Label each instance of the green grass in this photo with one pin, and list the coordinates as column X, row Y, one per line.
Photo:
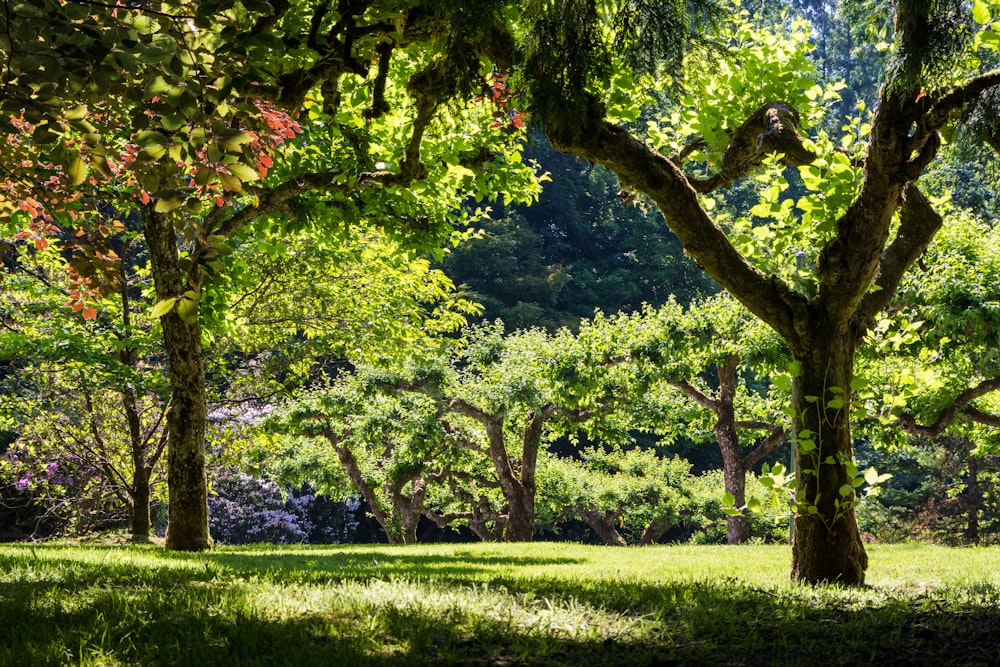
column 482, row 604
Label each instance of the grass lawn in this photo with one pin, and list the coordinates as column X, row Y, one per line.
column 490, row 604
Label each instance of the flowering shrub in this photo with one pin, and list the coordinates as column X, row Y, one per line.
column 245, row 510
column 69, row 494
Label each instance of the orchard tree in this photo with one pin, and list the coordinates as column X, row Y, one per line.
column 934, row 370
column 722, row 361
column 179, row 115
column 393, row 448
column 863, row 222
column 632, row 491
column 519, row 392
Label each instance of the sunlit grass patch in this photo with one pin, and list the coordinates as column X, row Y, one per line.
column 543, row 603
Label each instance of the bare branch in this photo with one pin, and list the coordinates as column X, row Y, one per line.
column 766, row 446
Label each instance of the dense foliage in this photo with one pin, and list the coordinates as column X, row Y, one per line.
column 240, row 243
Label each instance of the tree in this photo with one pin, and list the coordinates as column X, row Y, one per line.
column 934, row 372
column 177, row 115
column 518, row 392
column 395, row 449
column 937, row 68
column 87, row 398
column 635, row 491
column 723, row 361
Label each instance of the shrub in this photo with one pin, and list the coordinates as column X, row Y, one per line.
column 245, row 510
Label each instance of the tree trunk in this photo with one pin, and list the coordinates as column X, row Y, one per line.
column 827, row 545
column 734, row 474
column 973, row 498
column 350, row 463
column 139, row 491
column 518, row 485
column 187, row 484
column 407, row 511
column 603, row 523
column 655, row 530
column 139, row 514
column 735, row 480
column 520, row 515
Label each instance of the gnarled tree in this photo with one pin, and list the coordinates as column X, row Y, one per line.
column 932, row 76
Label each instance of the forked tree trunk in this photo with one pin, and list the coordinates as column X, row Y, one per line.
column 827, row 545
column 187, row 484
column 516, row 478
column 408, row 510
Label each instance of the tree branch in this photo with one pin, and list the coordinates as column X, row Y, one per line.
column 697, row 395
column 766, row 446
column 919, row 222
column 772, row 129
column 960, row 407
column 646, row 170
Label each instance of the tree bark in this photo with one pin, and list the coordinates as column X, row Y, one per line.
column 734, row 474
column 826, row 546
column 187, row 483
column 655, row 530
column 973, row 497
column 603, row 523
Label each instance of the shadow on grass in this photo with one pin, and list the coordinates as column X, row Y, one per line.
column 209, row 612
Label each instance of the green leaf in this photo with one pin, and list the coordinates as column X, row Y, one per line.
column 188, row 310
column 76, row 113
column 169, row 200
column 233, row 139
column 243, row 172
column 728, row 500
column 980, row 12
column 163, row 307
column 75, row 168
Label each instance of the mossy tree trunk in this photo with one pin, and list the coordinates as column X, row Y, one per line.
column 187, row 484
column 827, row 545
